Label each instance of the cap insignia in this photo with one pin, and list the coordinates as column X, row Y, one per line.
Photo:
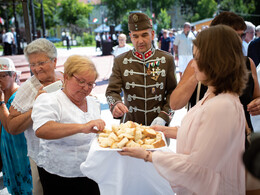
column 135, row 18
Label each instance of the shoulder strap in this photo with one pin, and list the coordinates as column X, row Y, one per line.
column 198, row 92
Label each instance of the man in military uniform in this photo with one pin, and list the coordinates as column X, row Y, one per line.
column 146, row 75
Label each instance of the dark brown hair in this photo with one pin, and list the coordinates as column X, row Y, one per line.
column 219, row 55
column 229, row 19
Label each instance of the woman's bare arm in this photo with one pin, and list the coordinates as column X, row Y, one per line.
column 183, row 92
column 55, row 130
column 18, row 122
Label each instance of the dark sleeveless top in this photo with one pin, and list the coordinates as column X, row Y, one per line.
column 245, row 98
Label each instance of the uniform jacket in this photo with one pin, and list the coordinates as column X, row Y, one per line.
column 147, row 81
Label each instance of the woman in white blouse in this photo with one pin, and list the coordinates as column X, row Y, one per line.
column 42, row 57
column 66, row 121
column 122, row 47
column 211, row 138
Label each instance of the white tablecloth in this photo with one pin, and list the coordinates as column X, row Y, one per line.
column 123, row 175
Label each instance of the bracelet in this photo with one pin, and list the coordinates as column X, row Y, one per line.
column 147, row 156
column 2, row 102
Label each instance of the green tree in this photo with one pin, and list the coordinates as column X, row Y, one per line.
column 50, row 13
column 156, row 5
column 72, row 10
column 189, row 6
column 239, row 6
column 118, row 9
column 124, row 24
column 204, row 9
column 163, row 21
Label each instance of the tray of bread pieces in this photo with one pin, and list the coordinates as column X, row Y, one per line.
column 129, row 134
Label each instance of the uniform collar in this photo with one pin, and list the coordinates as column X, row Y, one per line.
column 144, row 56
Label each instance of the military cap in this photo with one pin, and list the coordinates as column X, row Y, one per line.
column 139, row 21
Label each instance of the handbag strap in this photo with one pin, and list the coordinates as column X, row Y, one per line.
column 198, row 92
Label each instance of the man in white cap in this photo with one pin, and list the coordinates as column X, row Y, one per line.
column 183, row 47
column 145, row 74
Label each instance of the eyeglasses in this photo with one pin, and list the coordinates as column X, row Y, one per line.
column 83, row 83
column 40, row 64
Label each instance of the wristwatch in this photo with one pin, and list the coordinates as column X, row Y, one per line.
column 2, row 102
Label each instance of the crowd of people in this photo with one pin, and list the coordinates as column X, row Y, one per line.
column 45, row 137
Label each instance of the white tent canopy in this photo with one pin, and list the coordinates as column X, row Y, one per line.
column 102, row 28
column 118, row 28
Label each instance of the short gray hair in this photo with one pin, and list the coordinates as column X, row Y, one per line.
column 257, row 29
column 249, row 26
column 41, row 46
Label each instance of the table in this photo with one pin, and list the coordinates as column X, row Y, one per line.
column 123, row 175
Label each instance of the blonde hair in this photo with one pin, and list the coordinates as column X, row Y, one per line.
column 122, row 36
column 76, row 64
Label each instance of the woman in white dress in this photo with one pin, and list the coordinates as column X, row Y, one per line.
column 66, row 121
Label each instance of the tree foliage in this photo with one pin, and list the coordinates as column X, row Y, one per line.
column 188, row 5
column 156, row 5
column 163, row 21
column 204, row 9
column 50, row 13
column 199, row 9
column 240, row 6
column 72, row 10
column 117, row 9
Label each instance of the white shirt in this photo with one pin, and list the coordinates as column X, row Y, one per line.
column 119, row 50
column 245, row 47
column 97, row 38
column 8, row 37
column 184, row 43
column 63, row 156
column 23, row 102
column 104, row 37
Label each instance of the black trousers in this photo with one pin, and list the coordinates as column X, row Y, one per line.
column 7, row 49
column 57, row 185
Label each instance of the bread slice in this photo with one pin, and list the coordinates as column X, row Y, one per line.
column 148, row 132
column 113, row 136
column 132, row 144
column 149, row 141
column 114, row 145
column 122, row 143
column 159, row 143
column 138, row 135
column 145, row 146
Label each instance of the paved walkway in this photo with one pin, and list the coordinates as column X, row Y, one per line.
column 104, row 66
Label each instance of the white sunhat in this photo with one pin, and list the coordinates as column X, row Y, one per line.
column 6, row 64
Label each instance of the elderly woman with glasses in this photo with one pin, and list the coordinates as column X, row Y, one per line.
column 42, row 57
column 66, row 121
